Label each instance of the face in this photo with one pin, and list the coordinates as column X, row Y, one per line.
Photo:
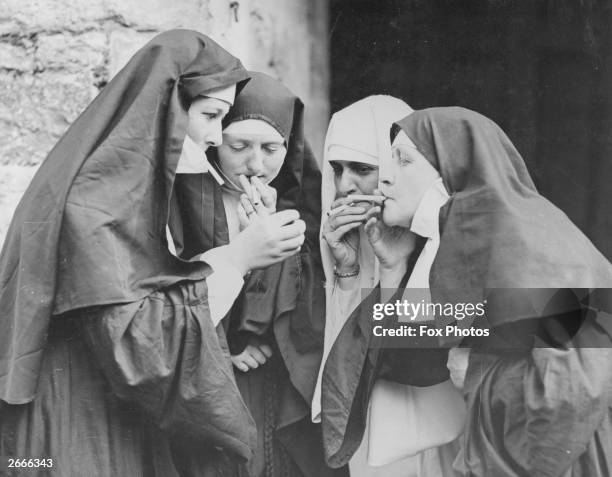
column 205, row 115
column 354, row 178
column 251, row 147
column 404, row 183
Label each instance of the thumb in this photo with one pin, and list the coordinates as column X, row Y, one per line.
column 372, row 230
column 243, row 219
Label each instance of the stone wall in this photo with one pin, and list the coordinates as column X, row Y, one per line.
column 55, row 55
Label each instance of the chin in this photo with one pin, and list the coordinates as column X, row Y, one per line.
column 389, row 218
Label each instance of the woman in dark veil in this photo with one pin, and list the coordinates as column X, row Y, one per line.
column 111, row 362
column 275, row 328
column 539, row 387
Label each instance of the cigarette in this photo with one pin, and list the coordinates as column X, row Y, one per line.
column 256, row 197
column 367, row 198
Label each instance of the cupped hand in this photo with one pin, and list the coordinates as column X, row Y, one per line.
column 340, row 232
column 267, row 240
column 392, row 245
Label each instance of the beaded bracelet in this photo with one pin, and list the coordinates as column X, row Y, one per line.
column 353, row 273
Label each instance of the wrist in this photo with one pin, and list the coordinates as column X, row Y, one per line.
column 346, row 272
column 234, row 255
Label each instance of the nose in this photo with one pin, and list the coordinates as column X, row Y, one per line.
column 255, row 162
column 214, row 136
column 346, row 185
column 386, row 174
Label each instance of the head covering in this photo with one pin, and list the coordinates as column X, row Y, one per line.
column 227, row 94
column 501, row 241
column 90, row 229
column 269, row 100
column 253, row 126
column 358, row 133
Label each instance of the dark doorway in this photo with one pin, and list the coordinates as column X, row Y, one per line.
column 541, row 69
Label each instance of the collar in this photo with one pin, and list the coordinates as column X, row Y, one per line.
column 193, row 160
column 425, row 221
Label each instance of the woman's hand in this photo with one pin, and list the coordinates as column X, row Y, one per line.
column 266, row 241
column 392, row 245
column 341, row 233
column 259, row 200
column 256, row 353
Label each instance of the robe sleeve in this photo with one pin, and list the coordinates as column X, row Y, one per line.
column 540, row 410
column 164, row 354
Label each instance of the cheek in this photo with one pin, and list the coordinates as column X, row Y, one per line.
column 195, row 128
column 273, row 165
column 230, row 161
column 368, row 183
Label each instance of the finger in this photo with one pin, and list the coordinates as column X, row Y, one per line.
column 340, row 201
column 342, row 230
column 266, row 193
column 247, row 205
column 292, row 244
column 346, row 219
column 372, row 230
column 266, row 350
column 256, row 195
column 373, row 212
column 346, row 210
column 285, row 217
column 243, row 219
column 355, row 210
column 246, row 186
column 292, row 230
column 237, row 362
column 257, row 355
column 250, row 361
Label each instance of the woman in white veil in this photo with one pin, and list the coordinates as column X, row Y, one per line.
column 357, row 137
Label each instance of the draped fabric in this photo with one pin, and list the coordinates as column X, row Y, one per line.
column 90, row 229
column 540, row 406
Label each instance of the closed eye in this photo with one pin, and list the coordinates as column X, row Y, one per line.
column 272, row 147
column 238, row 146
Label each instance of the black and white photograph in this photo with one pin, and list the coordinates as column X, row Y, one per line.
column 306, row 238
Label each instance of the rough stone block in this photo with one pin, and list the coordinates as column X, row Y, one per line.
column 54, row 15
column 14, row 180
column 35, row 110
column 70, row 52
column 15, row 58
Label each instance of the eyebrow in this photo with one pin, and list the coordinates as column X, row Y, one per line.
column 339, row 162
column 254, row 137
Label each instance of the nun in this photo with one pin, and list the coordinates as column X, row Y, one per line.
column 538, row 383
column 111, row 360
column 275, row 326
column 372, row 427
